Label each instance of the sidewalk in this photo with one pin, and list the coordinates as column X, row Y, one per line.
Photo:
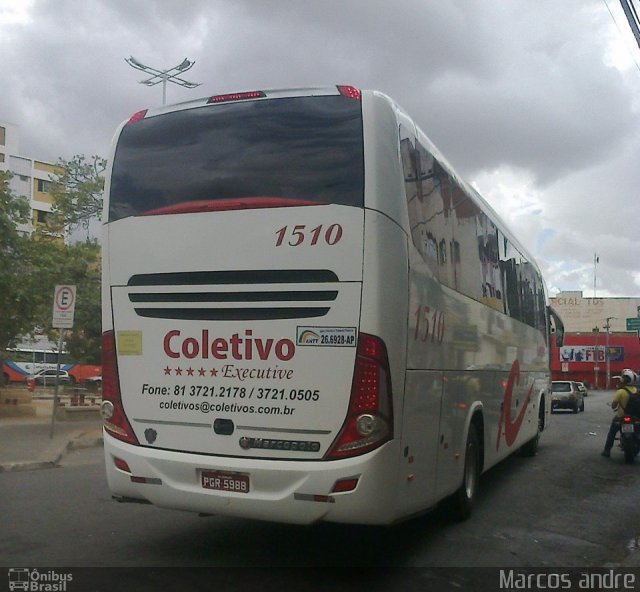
column 26, row 442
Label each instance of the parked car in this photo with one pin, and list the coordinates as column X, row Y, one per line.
column 565, row 394
column 48, row 377
column 583, row 388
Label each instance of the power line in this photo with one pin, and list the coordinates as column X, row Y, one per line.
column 632, row 17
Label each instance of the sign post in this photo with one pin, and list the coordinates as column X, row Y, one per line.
column 64, row 304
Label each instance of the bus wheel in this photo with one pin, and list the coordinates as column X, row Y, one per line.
column 464, row 499
column 530, row 448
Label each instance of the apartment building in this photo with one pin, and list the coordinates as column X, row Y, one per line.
column 31, row 177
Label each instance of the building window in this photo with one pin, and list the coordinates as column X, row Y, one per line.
column 43, row 217
column 44, row 186
column 1, row 157
column 3, row 136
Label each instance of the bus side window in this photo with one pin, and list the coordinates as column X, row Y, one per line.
column 524, row 289
column 509, row 268
column 430, row 232
column 487, row 236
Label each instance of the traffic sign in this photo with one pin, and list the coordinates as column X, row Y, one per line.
column 64, row 303
column 633, row 324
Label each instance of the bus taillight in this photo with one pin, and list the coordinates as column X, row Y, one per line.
column 113, row 415
column 351, row 92
column 369, row 420
column 241, row 96
column 137, row 116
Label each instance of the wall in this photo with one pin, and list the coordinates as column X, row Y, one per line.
column 581, row 314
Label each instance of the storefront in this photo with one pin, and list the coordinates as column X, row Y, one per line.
column 595, row 358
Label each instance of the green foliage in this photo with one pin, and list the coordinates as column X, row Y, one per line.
column 77, row 200
column 77, row 190
column 16, row 307
column 13, row 211
column 31, row 266
column 77, row 265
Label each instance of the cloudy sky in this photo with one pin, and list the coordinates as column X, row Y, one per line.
column 535, row 102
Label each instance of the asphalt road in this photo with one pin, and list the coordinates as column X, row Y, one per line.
column 566, row 507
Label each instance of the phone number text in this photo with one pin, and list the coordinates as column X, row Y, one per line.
column 233, row 392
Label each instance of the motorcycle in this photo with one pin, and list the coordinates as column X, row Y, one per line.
column 630, row 437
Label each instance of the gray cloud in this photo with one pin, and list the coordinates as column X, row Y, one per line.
column 519, row 85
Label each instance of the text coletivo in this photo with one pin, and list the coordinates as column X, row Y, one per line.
column 236, row 347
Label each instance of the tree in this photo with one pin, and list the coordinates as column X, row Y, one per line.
column 31, row 266
column 77, row 265
column 77, row 190
column 77, row 200
column 16, row 306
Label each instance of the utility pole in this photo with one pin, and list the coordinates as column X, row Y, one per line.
column 164, row 76
column 606, row 352
column 596, row 330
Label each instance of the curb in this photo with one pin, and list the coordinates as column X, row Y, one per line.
column 28, row 465
column 79, row 442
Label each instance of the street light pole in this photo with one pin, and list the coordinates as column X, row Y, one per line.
column 164, row 76
column 606, row 351
column 596, row 330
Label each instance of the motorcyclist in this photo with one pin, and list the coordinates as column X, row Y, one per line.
column 628, row 380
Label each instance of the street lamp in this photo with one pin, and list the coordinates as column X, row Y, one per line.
column 164, row 76
column 606, row 350
column 596, row 330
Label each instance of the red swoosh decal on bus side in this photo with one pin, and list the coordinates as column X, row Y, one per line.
column 511, row 429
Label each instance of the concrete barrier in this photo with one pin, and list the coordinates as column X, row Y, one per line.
column 15, row 396
column 16, row 402
column 77, row 413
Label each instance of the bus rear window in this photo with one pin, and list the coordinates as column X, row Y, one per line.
column 265, row 153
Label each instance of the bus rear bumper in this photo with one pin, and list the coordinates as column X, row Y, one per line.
column 296, row 492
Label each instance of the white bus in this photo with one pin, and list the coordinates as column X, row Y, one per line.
column 308, row 315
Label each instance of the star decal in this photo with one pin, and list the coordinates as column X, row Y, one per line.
column 190, row 371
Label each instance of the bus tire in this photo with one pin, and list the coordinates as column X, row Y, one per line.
column 464, row 499
column 530, row 448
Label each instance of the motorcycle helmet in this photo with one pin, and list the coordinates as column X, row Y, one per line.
column 628, row 377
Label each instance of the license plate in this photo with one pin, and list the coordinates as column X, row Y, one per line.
column 627, row 428
column 222, row 481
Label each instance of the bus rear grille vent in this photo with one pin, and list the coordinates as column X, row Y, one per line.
column 233, row 295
